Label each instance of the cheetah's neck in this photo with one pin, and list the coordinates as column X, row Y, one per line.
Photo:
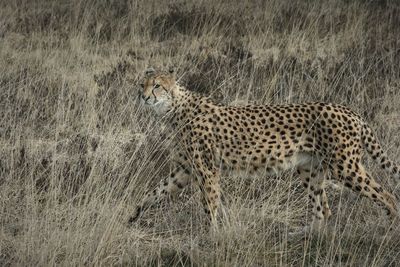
column 187, row 105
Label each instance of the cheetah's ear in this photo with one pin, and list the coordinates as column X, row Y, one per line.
column 171, row 71
column 149, row 72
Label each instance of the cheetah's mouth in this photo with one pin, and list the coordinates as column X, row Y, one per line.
column 155, row 103
column 149, row 102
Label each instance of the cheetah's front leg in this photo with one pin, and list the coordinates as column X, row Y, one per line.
column 208, row 181
column 210, row 189
column 177, row 180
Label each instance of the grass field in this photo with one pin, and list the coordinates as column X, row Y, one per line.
column 77, row 152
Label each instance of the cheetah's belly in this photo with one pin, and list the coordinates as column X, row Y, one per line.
column 270, row 166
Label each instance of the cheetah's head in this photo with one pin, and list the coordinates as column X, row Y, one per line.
column 158, row 90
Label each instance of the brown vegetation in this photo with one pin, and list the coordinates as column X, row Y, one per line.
column 77, row 152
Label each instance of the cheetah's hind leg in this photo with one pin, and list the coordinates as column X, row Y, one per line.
column 362, row 183
column 313, row 178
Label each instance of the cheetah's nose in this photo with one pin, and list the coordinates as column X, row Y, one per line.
column 145, row 98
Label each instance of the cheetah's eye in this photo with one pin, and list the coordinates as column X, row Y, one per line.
column 156, row 86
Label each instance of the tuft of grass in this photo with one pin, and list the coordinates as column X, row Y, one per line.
column 77, row 152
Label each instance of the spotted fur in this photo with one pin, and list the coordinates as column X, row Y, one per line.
column 316, row 139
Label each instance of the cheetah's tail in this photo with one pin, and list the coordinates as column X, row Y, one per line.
column 373, row 147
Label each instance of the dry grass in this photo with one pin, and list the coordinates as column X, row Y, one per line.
column 77, row 152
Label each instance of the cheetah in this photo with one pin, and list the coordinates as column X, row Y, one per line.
column 318, row 141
